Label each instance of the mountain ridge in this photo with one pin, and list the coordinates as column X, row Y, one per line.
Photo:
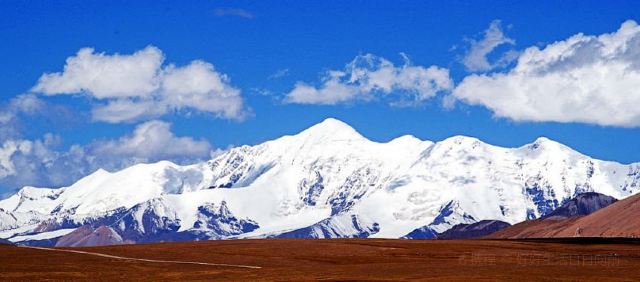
column 327, row 180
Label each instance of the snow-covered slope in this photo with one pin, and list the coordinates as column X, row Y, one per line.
column 327, row 181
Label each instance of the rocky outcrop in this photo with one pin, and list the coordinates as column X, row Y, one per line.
column 424, row 232
column 581, row 205
column 474, row 230
column 340, row 226
column 86, row 236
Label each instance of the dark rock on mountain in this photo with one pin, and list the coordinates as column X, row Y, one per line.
column 219, row 222
column 424, row 232
column 39, row 243
column 340, row 226
column 542, row 195
column 474, row 230
column 153, row 221
column 146, row 222
column 449, row 215
column 581, row 205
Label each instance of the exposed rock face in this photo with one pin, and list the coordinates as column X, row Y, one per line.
column 341, row 226
column 7, row 220
column 86, row 236
column 219, row 222
column 150, row 221
column 424, row 232
column 153, row 221
column 449, row 216
column 474, row 230
column 581, row 205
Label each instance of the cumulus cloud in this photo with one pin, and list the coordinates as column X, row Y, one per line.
column 105, row 76
column 369, row 77
column 21, row 104
column 14, row 112
column 200, row 87
column 584, row 78
column 476, row 57
column 6, row 151
column 11, row 111
column 33, row 162
column 41, row 163
column 151, row 141
column 138, row 86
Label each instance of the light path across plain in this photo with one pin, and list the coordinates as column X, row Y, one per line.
column 142, row 259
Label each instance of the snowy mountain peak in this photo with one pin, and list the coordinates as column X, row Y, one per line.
column 407, row 140
column 546, row 143
column 461, row 145
column 462, row 140
column 326, row 181
column 101, row 171
column 542, row 140
column 544, row 146
column 331, row 129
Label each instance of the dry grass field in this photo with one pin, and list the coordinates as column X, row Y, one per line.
column 340, row 259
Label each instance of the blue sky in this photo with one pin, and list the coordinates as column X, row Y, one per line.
column 265, row 50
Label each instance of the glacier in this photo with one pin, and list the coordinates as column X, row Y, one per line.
column 327, row 181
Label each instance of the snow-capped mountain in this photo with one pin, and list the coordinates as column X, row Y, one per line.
column 327, row 181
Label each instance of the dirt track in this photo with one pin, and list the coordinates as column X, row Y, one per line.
column 352, row 259
column 65, row 250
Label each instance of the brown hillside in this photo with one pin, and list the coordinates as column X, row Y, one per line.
column 620, row 219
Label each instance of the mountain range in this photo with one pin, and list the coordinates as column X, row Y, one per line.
column 327, row 181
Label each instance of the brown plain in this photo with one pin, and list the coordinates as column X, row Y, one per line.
column 339, row 259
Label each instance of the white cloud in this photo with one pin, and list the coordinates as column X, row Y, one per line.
column 200, row 87
column 26, row 162
column 476, row 57
column 25, row 103
column 585, row 79
column 333, row 91
column 127, row 110
column 6, row 151
column 236, row 12
column 106, row 76
column 279, row 73
column 15, row 110
column 369, row 77
column 152, row 140
column 40, row 163
column 137, row 86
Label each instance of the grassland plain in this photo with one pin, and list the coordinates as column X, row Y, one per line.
column 335, row 259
